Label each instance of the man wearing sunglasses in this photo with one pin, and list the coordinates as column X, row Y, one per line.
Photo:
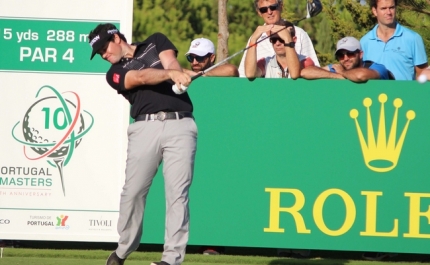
column 201, row 56
column 164, row 130
column 270, row 11
column 351, row 65
column 285, row 63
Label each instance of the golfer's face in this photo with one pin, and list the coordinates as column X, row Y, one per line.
column 111, row 52
column 269, row 10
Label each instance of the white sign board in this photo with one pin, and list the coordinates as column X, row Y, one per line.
column 62, row 128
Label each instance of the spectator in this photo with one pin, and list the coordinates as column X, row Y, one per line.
column 351, row 65
column 270, row 11
column 285, row 63
column 201, row 56
column 400, row 49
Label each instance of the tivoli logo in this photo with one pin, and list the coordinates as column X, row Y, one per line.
column 376, row 150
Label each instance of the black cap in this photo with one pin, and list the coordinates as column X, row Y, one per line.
column 99, row 41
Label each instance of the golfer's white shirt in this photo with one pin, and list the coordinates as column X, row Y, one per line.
column 303, row 47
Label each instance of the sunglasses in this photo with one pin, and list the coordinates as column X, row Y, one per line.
column 266, row 8
column 274, row 40
column 341, row 55
column 199, row 59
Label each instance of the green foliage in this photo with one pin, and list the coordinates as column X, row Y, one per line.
column 352, row 18
column 183, row 21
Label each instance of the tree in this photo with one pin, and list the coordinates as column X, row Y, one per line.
column 222, row 50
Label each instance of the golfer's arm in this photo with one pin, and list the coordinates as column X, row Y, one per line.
column 189, row 72
column 360, row 74
column 169, row 61
column 151, row 76
column 251, row 62
column 314, row 72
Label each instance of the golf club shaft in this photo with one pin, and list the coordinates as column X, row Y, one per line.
column 231, row 56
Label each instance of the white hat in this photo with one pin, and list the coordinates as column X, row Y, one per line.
column 348, row 43
column 201, row 47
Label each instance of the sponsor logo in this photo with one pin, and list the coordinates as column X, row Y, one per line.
column 61, row 222
column 4, row 221
column 100, row 224
column 40, row 220
column 116, row 78
column 96, row 38
column 112, row 31
column 52, row 128
column 196, row 44
column 381, row 154
column 105, row 223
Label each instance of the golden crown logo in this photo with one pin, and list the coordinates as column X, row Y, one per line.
column 376, row 150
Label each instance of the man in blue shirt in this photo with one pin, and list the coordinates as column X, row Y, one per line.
column 400, row 49
column 351, row 65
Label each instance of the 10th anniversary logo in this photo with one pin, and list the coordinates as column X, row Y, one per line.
column 53, row 127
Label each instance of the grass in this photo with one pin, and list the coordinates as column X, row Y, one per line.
column 21, row 256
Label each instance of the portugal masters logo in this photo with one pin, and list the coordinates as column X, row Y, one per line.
column 380, row 154
column 53, row 128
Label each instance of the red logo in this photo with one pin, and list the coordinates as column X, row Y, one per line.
column 116, row 78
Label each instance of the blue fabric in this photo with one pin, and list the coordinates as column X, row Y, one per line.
column 402, row 52
column 383, row 72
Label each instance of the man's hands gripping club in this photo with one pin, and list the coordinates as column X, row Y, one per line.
column 181, row 79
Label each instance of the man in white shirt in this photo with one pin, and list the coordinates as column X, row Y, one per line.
column 286, row 63
column 270, row 11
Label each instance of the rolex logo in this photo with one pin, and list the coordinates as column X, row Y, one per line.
column 380, row 154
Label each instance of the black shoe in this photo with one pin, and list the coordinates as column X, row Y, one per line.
column 113, row 259
column 160, row 263
column 376, row 256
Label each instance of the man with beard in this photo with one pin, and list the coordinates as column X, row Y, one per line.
column 351, row 65
column 201, row 56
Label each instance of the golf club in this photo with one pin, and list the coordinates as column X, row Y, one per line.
column 183, row 88
column 313, row 8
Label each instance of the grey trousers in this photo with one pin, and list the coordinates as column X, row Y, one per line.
column 150, row 142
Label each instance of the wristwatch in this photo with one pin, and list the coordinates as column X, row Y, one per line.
column 290, row 44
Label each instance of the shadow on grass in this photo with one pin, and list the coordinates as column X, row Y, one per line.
column 307, row 262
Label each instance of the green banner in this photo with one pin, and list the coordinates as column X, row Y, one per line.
column 307, row 164
column 38, row 45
